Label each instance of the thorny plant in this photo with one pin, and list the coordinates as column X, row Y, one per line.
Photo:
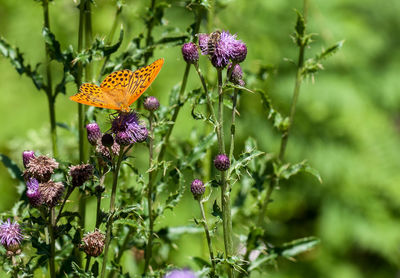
column 49, row 235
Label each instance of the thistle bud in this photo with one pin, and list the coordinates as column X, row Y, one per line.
column 239, row 52
column 190, row 53
column 221, row 162
column 197, row 188
column 151, row 103
column 107, row 140
column 93, row 133
column 236, row 75
column 80, row 174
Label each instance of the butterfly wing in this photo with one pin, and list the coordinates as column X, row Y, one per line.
column 141, row 80
column 93, row 95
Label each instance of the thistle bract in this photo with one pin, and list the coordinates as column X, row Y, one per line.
column 221, row 162
column 27, row 156
column 190, row 53
column 151, row 103
column 197, row 188
column 93, row 133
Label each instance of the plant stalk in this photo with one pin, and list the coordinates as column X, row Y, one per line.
column 149, row 246
column 207, row 232
column 49, row 85
column 52, row 243
column 233, row 123
column 112, row 210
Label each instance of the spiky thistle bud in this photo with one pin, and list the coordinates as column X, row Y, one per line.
column 197, row 188
column 151, row 103
column 190, row 53
column 93, row 133
column 221, row 162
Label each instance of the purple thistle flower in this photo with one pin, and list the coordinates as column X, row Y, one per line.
column 151, row 103
column 80, row 174
column 33, row 192
column 236, row 75
column 40, row 168
column 221, row 162
column 93, row 243
column 51, row 192
column 123, row 138
column 190, row 53
column 27, row 156
column 11, row 237
column 129, row 123
column 197, row 188
column 203, row 43
column 183, row 273
column 93, row 133
column 223, row 51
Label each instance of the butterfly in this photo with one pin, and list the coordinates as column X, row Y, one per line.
column 119, row 89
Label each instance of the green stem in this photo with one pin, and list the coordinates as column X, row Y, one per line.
column 112, row 210
column 285, row 136
column 121, row 250
column 70, row 189
column 49, row 85
column 225, row 190
column 206, row 230
column 149, row 246
column 88, row 263
column 52, row 243
column 233, row 126
column 149, row 38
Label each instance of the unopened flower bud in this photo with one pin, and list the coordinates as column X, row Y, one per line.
column 239, row 52
column 221, row 162
column 197, row 188
column 190, row 53
column 151, row 103
column 93, row 133
column 236, row 75
column 107, row 140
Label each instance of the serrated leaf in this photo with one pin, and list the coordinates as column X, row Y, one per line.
column 329, row 51
column 242, row 162
column 216, row 210
column 261, row 260
column 300, row 25
column 12, row 167
column 288, row 170
column 53, row 46
column 279, row 122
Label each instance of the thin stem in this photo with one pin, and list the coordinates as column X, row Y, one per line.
column 88, row 263
column 149, row 246
column 99, row 191
column 49, row 85
column 149, row 38
column 225, row 190
column 70, row 189
column 112, row 210
column 206, row 230
column 51, row 226
column 121, row 250
column 233, row 125
column 209, row 103
column 285, row 136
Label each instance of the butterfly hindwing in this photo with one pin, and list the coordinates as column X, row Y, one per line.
column 142, row 79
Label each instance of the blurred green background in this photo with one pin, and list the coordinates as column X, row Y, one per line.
column 347, row 123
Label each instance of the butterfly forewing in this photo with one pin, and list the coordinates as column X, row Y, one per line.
column 142, row 78
column 93, row 95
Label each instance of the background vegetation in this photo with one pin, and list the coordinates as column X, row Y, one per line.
column 347, row 123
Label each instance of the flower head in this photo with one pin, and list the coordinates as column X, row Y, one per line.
column 51, row 192
column 151, row 103
column 80, row 174
column 239, row 52
column 190, row 53
column 27, row 156
column 221, row 162
column 197, row 188
column 93, row 243
column 41, row 168
column 181, row 273
column 236, row 75
column 129, row 123
column 93, row 133
column 33, row 192
column 11, row 237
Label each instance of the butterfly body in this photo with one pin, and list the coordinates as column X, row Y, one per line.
column 119, row 89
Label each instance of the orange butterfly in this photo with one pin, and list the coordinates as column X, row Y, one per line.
column 120, row 89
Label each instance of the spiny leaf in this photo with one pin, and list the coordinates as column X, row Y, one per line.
column 279, row 122
column 329, row 51
column 244, row 159
column 17, row 61
column 288, row 170
column 298, row 246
